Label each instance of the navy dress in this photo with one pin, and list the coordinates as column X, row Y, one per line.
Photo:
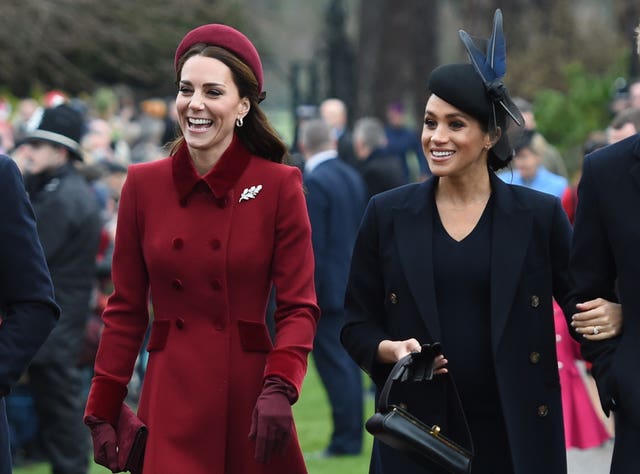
column 462, row 278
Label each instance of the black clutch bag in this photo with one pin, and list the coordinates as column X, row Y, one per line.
column 394, row 425
column 132, row 438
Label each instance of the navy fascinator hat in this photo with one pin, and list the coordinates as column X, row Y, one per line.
column 477, row 88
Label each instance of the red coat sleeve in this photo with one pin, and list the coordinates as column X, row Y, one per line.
column 297, row 312
column 126, row 315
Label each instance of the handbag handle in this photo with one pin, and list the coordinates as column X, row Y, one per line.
column 422, row 365
column 401, row 371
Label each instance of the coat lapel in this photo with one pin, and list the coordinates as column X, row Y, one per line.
column 510, row 237
column 413, row 225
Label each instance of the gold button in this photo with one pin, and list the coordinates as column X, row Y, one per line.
column 393, row 298
column 535, row 301
column 534, row 357
column 543, row 410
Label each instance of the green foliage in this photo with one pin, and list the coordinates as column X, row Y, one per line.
column 567, row 118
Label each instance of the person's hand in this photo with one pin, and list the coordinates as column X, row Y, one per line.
column 272, row 419
column 390, row 352
column 105, row 444
column 598, row 319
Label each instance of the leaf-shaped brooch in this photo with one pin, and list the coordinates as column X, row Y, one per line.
column 250, row 193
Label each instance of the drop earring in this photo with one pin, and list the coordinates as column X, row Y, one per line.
column 239, row 122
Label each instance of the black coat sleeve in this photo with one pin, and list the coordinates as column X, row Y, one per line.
column 593, row 275
column 27, row 305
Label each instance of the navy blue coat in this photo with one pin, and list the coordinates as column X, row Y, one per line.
column 27, row 304
column 605, row 263
column 336, row 199
column 391, row 295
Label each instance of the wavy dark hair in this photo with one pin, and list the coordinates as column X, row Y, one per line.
column 257, row 134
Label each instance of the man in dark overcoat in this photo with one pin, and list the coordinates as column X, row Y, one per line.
column 69, row 223
column 27, row 309
column 605, row 263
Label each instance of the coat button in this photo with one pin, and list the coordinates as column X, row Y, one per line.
column 183, row 202
column 535, row 301
column 179, row 323
column 216, row 284
column 543, row 410
column 534, row 357
column 222, row 202
column 177, row 243
column 177, row 284
column 215, row 244
column 393, row 298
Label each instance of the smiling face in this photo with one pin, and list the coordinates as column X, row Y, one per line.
column 208, row 104
column 453, row 142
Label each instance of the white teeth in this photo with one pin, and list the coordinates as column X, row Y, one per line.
column 196, row 121
column 441, row 154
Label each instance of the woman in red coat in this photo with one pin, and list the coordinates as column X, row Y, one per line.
column 206, row 233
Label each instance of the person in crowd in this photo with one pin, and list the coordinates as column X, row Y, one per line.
column 28, row 311
column 380, row 170
column 206, row 233
column 404, row 142
column 336, row 198
column 624, row 124
column 334, row 112
column 605, row 262
column 551, row 158
column 569, row 198
column 634, row 94
column 529, row 170
column 69, row 224
column 469, row 261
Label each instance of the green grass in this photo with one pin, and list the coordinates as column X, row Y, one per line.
column 313, row 421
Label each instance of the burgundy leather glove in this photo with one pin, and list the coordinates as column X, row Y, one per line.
column 272, row 419
column 105, row 443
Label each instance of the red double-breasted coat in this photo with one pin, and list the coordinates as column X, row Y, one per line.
column 207, row 251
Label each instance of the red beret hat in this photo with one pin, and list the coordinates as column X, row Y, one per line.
column 228, row 38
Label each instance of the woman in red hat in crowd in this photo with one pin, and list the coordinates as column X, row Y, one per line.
column 206, row 233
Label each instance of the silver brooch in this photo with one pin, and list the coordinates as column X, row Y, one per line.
column 250, row 193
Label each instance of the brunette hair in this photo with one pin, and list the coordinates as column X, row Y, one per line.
column 257, row 134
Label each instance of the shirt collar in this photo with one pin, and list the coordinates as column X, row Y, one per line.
column 220, row 179
column 318, row 158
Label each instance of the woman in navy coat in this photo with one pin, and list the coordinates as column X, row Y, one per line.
column 469, row 261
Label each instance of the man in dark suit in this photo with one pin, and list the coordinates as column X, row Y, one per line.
column 336, row 198
column 381, row 171
column 27, row 309
column 605, row 262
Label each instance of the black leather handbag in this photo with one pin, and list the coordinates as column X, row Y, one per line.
column 394, row 425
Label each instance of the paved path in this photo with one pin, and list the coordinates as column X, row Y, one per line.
column 590, row 461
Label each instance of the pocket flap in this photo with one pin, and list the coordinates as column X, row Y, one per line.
column 159, row 334
column 254, row 336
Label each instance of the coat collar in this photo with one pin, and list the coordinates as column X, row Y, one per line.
column 511, row 232
column 220, row 179
column 413, row 225
column 510, row 236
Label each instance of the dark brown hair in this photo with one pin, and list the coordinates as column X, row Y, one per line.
column 256, row 134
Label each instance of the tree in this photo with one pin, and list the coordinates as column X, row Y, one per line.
column 398, row 46
column 76, row 45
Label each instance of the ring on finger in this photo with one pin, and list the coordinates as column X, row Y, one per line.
column 596, row 330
